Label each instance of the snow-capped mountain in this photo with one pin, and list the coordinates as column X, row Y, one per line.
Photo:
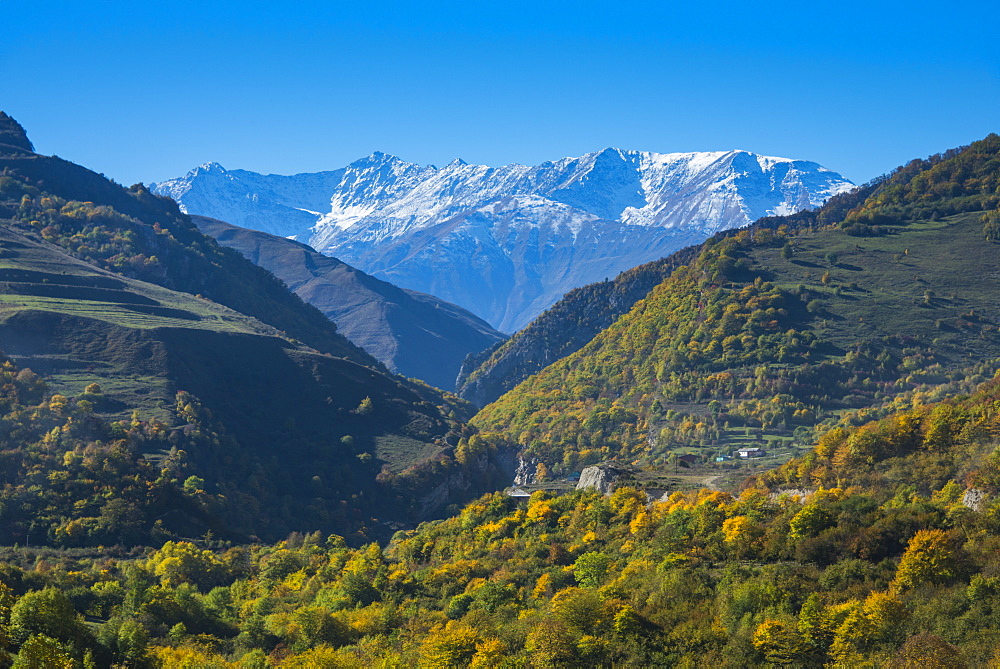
column 507, row 242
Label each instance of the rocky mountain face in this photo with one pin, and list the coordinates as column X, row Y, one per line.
column 603, row 478
column 414, row 334
column 508, row 242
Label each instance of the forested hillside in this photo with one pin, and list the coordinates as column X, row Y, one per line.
column 563, row 329
column 883, row 560
column 176, row 388
column 786, row 325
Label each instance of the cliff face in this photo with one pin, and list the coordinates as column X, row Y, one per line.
column 485, row 472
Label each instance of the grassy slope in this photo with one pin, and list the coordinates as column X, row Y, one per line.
column 893, row 273
column 36, row 279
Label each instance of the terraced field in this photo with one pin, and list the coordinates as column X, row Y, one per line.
column 52, row 303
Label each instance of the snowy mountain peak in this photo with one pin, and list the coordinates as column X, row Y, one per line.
column 507, row 242
column 377, row 158
column 207, row 168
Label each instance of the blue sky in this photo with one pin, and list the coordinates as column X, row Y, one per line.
column 146, row 91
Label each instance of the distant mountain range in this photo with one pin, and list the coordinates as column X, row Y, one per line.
column 506, row 243
column 412, row 333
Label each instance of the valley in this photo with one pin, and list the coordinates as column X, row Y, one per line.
column 413, row 334
column 793, row 426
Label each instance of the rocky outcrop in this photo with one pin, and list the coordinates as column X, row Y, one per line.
column 974, row 499
column 432, row 489
column 526, row 471
column 603, row 478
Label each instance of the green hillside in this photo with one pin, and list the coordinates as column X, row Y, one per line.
column 225, row 402
column 41, row 287
column 791, row 323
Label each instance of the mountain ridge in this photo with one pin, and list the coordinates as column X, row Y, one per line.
column 520, row 236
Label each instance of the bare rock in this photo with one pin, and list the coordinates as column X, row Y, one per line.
column 974, row 498
column 603, row 477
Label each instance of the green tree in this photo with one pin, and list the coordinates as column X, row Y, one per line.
column 810, row 521
column 591, row 568
column 46, row 612
column 126, row 639
column 42, row 652
column 780, row 643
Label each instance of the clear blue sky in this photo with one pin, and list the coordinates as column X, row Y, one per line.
column 146, row 91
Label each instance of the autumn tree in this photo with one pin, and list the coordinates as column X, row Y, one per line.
column 931, row 557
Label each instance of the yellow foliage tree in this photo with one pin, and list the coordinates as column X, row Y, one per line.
column 188, row 658
column 451, row 645
column 183, row 562
column 551, row 643
column 780, row 642
column 872, row 625
column 932, row 556
column 489, row 653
